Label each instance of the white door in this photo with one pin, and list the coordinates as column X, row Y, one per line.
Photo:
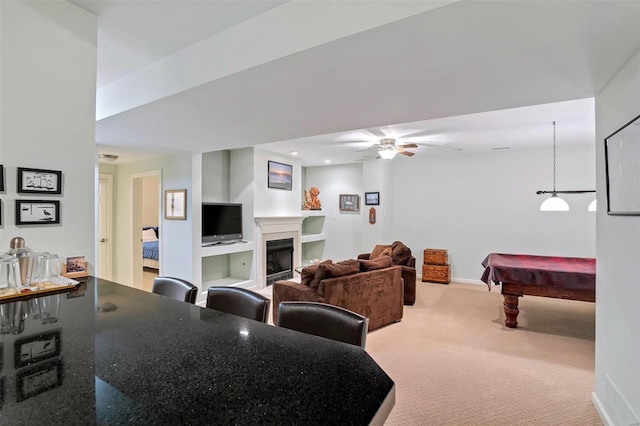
column 105, row 226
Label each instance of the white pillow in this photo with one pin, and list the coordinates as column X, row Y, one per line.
column 149, row 235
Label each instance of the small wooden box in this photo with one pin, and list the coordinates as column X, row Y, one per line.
column 436, row 273
column 435, row 257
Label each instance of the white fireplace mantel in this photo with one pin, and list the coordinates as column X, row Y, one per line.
column 276, row 228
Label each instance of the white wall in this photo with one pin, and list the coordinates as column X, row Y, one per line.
column 176, row 235
column 47, row 110
column 473, row 204
column 344, row 229
column 618, row 268
column 273, row 201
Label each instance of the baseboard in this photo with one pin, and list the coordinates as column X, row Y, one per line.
column 601, row 410
column 468, row 281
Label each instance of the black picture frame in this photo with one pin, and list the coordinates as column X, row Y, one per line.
column 1, row 178
column 279, row 175
column 372, row 198
column 36, row 348
column 621, row 151
column 37, row 212
column 39, row 378
column 39, row 181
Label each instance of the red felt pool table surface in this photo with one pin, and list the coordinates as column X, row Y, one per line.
column 559, row 277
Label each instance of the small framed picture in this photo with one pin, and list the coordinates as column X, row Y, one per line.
column 1, row 178
column 279, row 175
column 175, row 204
column 621, row 150
column 371, row 198
column 75, row 267
column 349, row 202
column 39, row 181
column 37, row 212
column 36, row 348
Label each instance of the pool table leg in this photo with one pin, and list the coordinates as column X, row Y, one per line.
column 511, row 311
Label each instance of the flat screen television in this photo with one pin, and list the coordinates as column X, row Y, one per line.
column 221, row 222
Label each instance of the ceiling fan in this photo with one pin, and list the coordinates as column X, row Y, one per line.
column 387, row 148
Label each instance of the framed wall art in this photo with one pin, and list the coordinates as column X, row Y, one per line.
column 1, row 178
column 349, row 202
column 39, row 181
column 37, row 212
column 621, row 151
column 371, row 198
column 279, row 175
column 175, row 204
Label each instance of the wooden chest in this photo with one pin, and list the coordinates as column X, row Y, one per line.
column 436, row 273
column 435, row 257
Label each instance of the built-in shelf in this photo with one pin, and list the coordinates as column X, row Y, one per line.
column 227, row 282
column 220, row 249
column 308, row 213
column 313, row 237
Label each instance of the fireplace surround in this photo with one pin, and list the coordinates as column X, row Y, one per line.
column 273, row 229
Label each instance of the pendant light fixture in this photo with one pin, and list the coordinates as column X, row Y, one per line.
column 555, row 203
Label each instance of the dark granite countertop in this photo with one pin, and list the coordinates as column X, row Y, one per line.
column 119, row 355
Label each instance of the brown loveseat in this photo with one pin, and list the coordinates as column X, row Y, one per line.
column 376, row 294
column 401, row 256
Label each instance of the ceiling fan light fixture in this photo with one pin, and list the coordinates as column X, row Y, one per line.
column 387, row 154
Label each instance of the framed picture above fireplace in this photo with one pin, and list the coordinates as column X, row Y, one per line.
column 279, row 175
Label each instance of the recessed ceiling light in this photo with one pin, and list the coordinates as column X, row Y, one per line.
column 294, row 153
column 327, row 161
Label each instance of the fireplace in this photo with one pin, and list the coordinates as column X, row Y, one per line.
column 279, row 260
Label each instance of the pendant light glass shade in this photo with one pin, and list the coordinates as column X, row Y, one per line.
column 387, row 154
column 593, row 206
column 554, row 204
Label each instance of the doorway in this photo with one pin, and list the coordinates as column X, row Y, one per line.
column 105, row 226
column 146, row 231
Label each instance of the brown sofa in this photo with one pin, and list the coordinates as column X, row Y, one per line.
column 376, row 294
column 401, row 256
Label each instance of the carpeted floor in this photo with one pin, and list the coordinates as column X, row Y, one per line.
column 454, row 362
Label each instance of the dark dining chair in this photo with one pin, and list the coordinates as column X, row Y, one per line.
column 239, row 301
column 175, row 288
column 321, row 319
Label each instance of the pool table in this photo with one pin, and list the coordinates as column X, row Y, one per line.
column 571, row 278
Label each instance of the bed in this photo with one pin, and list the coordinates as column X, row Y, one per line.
column 150, row 258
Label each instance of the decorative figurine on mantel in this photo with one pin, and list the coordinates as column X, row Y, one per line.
column 311, row 200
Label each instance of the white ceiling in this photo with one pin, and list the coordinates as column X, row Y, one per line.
column 469, row 75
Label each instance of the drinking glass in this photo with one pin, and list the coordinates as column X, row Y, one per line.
column 10, row 280
column 12, row 318
column 49, row 275
column 35, row 265
column 49, row 308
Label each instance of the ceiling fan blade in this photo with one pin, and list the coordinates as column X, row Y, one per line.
column 407, row 153
column 407, row 145
column 376, row 132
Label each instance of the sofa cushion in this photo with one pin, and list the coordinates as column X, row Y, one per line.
column 333, row 270
column 400, row 253
column 308, row 274
column 377, row 263
column 377, row 251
